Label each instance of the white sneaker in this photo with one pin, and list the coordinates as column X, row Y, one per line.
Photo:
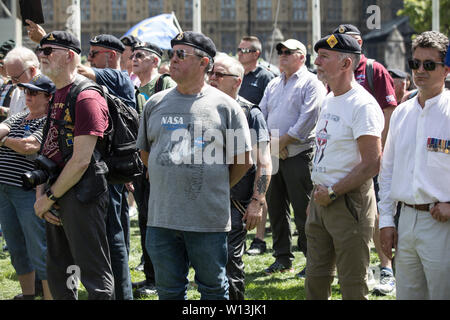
column 371, row 282
column 386, row 285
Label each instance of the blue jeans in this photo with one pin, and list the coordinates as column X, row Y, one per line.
column 116, row 233
column 172, row 250
column 24, row 232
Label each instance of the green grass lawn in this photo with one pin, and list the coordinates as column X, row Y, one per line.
column 281, row 286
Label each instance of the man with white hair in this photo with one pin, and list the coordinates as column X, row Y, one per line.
column 291, row 105
column 248, row 195
column 21, row 65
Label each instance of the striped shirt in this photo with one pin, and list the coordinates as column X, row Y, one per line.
column 13, row 164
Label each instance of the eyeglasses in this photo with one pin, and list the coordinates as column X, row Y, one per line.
column 428, row 65
column 93, row 53
column 48, row 50
column 245, row 50
column 181, row 54
column 31, row 92
column 286, row 52
column 137, row 55
column 17, row 78
column 221, row 74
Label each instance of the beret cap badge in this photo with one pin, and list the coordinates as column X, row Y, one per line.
column 51, row 37
column 332, row 41
column 341, row 29
column 180, row 36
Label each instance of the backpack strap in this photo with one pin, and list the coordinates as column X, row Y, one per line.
column 160, row 82
column 369, row 74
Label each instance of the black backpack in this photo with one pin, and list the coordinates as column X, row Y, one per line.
column 118, row 146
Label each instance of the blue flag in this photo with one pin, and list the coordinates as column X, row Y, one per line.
column 158, row 30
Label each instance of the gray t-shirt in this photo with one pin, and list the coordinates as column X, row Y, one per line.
column 186, row 136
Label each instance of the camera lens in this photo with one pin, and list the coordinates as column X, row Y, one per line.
column 31, row 179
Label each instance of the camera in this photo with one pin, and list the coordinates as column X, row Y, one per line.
column 45, row 170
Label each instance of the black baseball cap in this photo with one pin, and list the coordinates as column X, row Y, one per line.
column 40, row 82
column 108, row 41
column 338, row 42
column 196, row 40
column 62, row 39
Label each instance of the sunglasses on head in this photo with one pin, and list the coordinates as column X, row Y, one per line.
column 220, row 74
column 286, row 52
column 47, row 50
column 181, row 54
column 428, row 65
column 245, row 50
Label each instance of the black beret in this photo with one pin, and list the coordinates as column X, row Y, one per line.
column 347, row 29
column 62, row 39
column 147, row 46
column 338, row 42
column 196, row 40
column 396, row 73
column 6, row 47
column 108, row 41
column 129, row 41
column 40, row 83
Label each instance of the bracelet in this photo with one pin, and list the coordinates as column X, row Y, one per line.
column 261, row 203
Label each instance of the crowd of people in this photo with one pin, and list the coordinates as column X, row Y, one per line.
column 358, row 153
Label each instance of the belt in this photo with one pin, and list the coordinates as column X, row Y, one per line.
column 420, row 207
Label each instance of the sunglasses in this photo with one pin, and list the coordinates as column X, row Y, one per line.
column 428, row 65
column 137, row 55
column 17, row 78
column 181, row 54
column 285, row 52
column 48, row 50
column 245, row 50
column 93, row 53
column 31, row 92
column 220, row 74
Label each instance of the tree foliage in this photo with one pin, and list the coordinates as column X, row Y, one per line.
column 420, row 14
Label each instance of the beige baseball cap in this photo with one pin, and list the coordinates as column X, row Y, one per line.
column 292, row 44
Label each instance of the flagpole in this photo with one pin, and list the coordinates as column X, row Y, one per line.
column 315, row 27
column 175, row 20
column 197, row 15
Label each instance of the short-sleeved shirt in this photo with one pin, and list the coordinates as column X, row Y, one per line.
column 383, row 85
column 146, row 91
column 118, row 83
column 259, row 133
column 190, row 141
column 254, row 84
column 91, row 118
column 13, row 164
column 342, row 120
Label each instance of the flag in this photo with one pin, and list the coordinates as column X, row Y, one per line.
column 159, row 30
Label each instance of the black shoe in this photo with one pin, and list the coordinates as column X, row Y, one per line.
column 301, row 274
column 257, row 247
column 140, row 284
column 277, row 267
column 145, row 291
column 24, row 297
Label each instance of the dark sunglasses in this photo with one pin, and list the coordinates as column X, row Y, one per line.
column 47, row 50
column 93, row 53
column 285, row 52
column 245, row 50
column 181, row 54
column 428, row 65
column 137, row 55
column 220, row 74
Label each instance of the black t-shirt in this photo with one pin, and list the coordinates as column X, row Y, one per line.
column 254, row 84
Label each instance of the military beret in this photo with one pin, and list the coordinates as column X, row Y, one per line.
column 196, row 40
column 396, row 73
column 62, row 39
column 108, row 41
column 347, row 29
column 129, row 41
column 338, row 42
column 40, row 82
column 147, row 46
column 292, row 44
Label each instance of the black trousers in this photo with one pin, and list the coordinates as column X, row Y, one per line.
column 81, row 243
column 291, row 185
column 141, row 195
column 236, row 248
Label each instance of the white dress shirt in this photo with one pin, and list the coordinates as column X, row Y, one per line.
column 410, row 172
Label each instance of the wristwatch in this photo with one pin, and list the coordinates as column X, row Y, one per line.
column 332, row 194
column 50, row 195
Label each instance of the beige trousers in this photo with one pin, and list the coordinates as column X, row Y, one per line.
column 338, row 237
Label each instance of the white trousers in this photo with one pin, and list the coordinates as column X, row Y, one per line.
column 422, row 259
